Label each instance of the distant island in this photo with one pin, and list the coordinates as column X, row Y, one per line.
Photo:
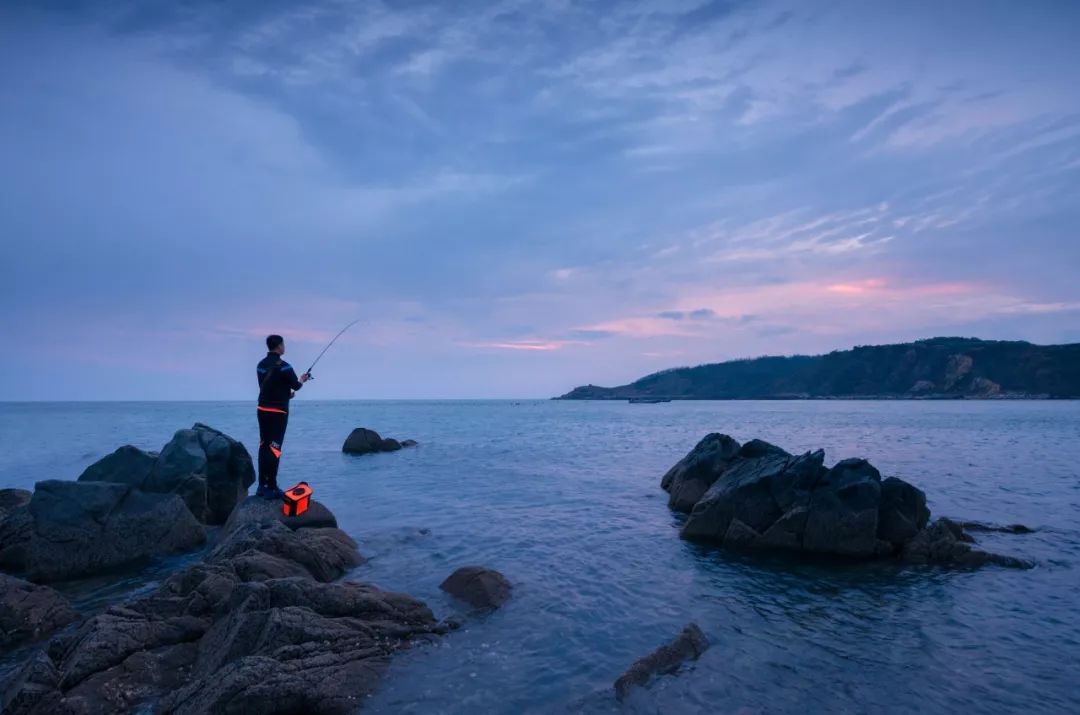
column 936, row 368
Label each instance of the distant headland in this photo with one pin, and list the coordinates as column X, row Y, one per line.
column 936, row 368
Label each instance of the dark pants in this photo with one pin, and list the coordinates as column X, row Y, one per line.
column 272, row 426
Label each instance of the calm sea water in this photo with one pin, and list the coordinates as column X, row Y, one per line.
column 564, row 498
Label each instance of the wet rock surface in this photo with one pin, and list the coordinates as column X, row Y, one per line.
column 365, row 441
column 667, row 659
column 30, row 611
column 478, row 586
column 946, row 542
column 758, row 496
column 256, row 626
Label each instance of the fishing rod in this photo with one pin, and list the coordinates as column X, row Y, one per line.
column 340, row 333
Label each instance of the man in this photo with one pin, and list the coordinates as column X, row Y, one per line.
column 277, row 385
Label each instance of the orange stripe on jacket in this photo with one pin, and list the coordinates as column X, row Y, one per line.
column 260, row 408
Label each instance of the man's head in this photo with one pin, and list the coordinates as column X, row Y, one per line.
column 275, row 344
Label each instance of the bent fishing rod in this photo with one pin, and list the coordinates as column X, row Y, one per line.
column 340, row 333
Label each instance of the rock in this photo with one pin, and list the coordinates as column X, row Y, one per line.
column 761, row 497
column 16, row 526
column 692, row 476
column 902, row 512
column 218, row 638
column 843, row 517
column 688, row 645
column 209, row 468
column 29, row 611
column 11, row 499
column 323, row 554
column 80, row 528
column 33, row 689
column 258, row 510
column 1007, row 529
column 478, row 586
column 127, row 465
column 945, row 542
column 745, row 490
column 16, row 529
column 365, row 441
column 408, row 443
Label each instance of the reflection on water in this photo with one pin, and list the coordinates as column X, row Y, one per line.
column 564, row 499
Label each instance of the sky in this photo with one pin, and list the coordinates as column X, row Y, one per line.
column 523, row 196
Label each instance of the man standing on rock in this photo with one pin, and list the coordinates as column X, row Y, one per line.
column 277, row 385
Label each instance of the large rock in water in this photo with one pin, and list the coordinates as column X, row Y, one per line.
column 222, row 637
column 478, row 586
column 29, row 611
column 81, row 528
column 365, row 441
column 762, row 497
column 208, row 469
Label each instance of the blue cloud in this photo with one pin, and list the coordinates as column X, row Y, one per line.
column 587, row 183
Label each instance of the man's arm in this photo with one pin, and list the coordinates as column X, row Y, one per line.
column 289, row 374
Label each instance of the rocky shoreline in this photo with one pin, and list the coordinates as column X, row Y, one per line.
column 261, row 623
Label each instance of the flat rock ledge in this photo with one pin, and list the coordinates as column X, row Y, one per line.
column 256, row 626
column 478, row 586
column 667, row 659
column 756, row 496
column 367, row 441
column 256, row 510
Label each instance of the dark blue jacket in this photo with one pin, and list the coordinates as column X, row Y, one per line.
column 277, row 380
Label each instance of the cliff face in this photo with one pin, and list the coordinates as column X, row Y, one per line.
column 938, row 367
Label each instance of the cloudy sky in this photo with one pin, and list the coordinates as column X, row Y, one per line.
column 519, row 197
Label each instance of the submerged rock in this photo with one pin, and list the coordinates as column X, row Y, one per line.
column 945, row 542
column 983, row 526
column 688, row 645
column 365, row 441
column 478, row 586
column 29, row 611
column 759, row 496
column 81, row 528
column 226, row 635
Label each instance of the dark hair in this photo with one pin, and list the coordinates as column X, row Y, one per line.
column 272, row 341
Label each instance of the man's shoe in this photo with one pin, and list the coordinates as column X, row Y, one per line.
column 275, row 494
column 261, row 491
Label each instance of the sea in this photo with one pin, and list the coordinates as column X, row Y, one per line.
column 564, row 499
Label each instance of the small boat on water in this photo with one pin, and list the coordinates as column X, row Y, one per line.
column 647, row 400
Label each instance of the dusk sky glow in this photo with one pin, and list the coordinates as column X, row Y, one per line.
column 519, row 197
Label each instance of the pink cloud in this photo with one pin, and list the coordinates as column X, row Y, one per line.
column 526, row 345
